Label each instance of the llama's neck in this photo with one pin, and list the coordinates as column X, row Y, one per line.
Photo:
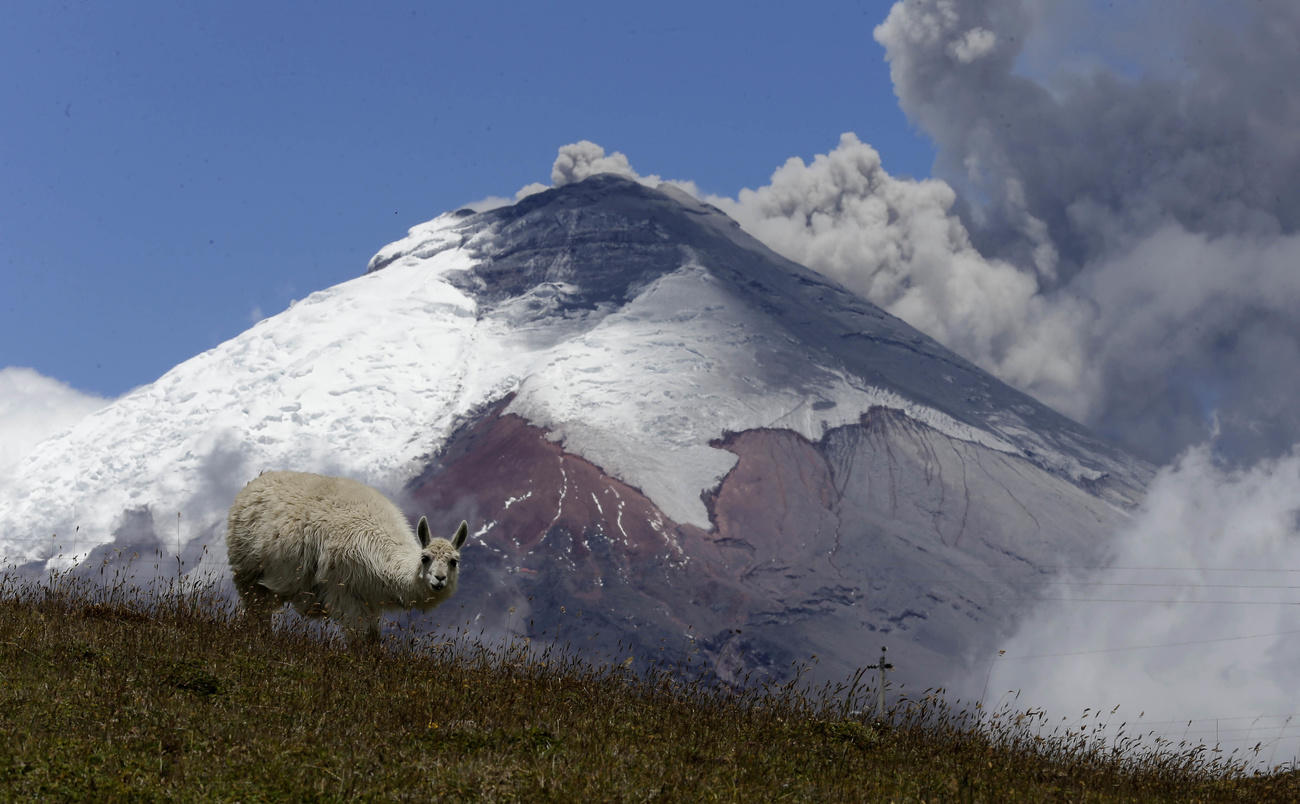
column 395, row 573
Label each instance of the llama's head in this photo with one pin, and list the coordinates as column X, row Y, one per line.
column 439, row 560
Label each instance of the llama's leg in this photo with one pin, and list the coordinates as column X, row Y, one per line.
column 259, row 603
column 360, row 631
column 351, row 616
column 372, row 630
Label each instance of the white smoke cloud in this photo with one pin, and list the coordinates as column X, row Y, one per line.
column 498, row 201
column 1211, row 561
column 898, row 243
column 34, row 407
column 975, row 43
column 575, row 162
column 585, row 158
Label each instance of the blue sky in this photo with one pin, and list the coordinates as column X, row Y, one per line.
column 170, row 169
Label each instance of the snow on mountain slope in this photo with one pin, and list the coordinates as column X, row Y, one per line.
column 644, row 391
column 637, row 368
column 647, row 416
column 331, row 383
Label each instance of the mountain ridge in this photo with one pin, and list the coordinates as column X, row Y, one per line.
column 868, row 322
column 639, row 407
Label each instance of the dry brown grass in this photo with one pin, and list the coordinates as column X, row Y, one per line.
column 113, row 693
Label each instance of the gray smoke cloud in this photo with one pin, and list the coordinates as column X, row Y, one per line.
column 584, row 158
column 1117, row 191
column 1118, row 245
column 899, row 243
column 1118, row 242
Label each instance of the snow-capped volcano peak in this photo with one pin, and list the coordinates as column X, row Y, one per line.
column 783, row 346
column 637, row 325
column 645, row 334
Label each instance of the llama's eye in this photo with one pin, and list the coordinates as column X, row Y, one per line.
column 452, row 563
column 426, row 560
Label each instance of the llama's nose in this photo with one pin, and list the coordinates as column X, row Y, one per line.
column 440, row 578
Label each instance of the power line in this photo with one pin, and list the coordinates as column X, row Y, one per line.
column 1194, row 569
column 1184, row 721
column 1151, row 601
column 1059, row 568
column 1171, row 585
column 1149, row 646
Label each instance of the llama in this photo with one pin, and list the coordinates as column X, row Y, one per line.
column 334, row 547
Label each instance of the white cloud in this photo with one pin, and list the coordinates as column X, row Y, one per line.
column 34, row 407
column 1214, row 553
column 974, row 44
column 497, row 201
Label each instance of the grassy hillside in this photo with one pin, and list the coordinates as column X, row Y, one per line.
column 115, row 695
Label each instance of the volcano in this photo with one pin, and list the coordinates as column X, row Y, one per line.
column 670, row 442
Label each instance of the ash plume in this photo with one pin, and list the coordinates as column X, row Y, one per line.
column 1117, row 242
column 1160, row 202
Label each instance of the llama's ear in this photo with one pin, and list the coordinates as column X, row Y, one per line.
column 422, row 530
column 462, row 533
